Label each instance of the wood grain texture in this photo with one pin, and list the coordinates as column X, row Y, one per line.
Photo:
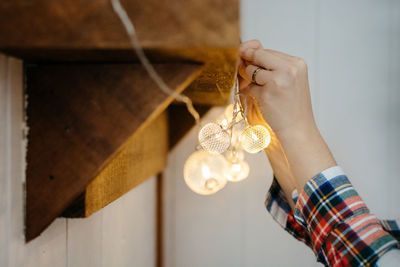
column 205, row 31
column 144, row 155
column 180, row 121
column 60, row 24
column 80, row 116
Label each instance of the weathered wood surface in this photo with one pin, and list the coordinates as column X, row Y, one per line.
column 205, row 31
column 180, row 121
column 144, row 155
column 82, row 24
column 80, row 117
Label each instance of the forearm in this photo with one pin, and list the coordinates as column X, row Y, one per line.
column 281, row 169
column 307, row 154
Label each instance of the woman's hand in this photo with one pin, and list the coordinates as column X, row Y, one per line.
column 281, row 97
column 283, row 94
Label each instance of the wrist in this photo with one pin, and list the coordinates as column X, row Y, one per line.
column 307, row 153
column 296, row 135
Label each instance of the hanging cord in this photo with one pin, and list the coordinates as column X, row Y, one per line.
column 130, row 29
column 238, row 107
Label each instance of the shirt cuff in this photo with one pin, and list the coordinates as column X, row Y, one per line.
column 343, row 232
column 278, row 206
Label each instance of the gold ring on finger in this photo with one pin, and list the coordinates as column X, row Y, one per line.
column 254, row 76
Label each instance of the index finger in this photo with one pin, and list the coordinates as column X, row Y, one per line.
column 262, row 58
column 252, row 44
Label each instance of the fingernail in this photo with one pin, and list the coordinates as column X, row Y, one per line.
column 248, row 53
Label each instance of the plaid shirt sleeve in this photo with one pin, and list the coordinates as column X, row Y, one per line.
column 332, row 219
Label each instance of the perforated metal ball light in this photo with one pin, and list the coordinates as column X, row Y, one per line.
column 255, row 138
column 214, row 139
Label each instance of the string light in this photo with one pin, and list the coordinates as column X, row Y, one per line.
column 213, row 138
column 234, row 155
column 231, row 134
column 134, row 40
column 239, row 171
column 206, row 173
column 255, row 138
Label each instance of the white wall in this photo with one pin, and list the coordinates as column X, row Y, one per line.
column 121, row 234
column 353, row 51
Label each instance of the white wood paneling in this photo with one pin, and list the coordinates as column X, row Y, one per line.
column 48, row 249
column 4, row 165
column 121, row 234
column 201, row 229
column 129, row 228
column 85, row 241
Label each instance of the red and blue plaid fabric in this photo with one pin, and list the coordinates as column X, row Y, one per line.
column 331, row 218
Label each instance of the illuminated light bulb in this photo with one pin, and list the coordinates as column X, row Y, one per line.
column 255, row 138
column 239, row 171
column 206, row 173
column 234, row 155
column 214, row 139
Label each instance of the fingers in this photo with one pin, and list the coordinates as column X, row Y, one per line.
column 256, row 90
column 280, row 54
column 243, row 83
column 252, row 44
column 261, row 77
column 263, row 58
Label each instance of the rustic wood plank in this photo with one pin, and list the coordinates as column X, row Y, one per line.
column 144, row 155
column 205, row 31
column 57, row 24
column 80, row 116
column 180, row 121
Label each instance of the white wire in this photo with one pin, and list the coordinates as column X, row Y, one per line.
column 130, row 29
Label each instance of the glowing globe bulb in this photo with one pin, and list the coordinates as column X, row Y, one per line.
column 239, row 171
column 234, row 155
column 205, row 173
column 214, row 139
column 255, row 138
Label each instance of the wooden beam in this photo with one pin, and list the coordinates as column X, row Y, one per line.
column 180, row 121
column 80, row 118
column 144, row 155
column 205, row 31
column 93, row 25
